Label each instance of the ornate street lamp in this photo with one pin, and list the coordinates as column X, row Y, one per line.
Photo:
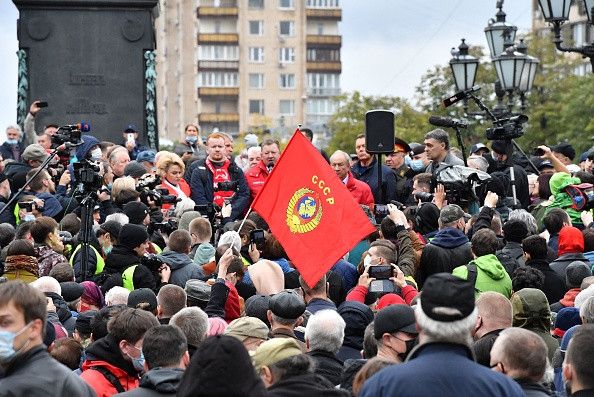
column 509, row 67
column 556, row 12
column 498, row 30
column 464, row 67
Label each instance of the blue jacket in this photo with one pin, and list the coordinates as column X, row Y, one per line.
column 369, row 176
column 442, row 369
column 202, row 188
column 51, row 205
column 316, row 304
column 182, row 267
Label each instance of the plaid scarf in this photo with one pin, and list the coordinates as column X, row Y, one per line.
column 22, row 262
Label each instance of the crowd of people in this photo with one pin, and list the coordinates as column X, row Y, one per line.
column 478, row 287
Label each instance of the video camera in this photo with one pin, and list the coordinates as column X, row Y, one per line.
column 70, row 134
column 229, row 186
column 167, row 227
column 507, row 128
column 147, row 187
column 582, row 196
column 458, row 182
column 152, row 262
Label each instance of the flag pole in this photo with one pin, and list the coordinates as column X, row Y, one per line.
column 245, row 217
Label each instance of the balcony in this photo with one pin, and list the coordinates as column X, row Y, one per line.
column 321, row 13
column 335, row 67
column 205, row 12
column 219, row 65
column 218, row 117
column 323, row 92
column 217, row 38
column 324, row 40
column 218, row 91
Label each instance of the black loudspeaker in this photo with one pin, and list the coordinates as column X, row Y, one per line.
column 379, row 131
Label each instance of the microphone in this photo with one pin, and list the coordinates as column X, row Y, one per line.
column 457, row 97
column 447, row 122
column 82, row 126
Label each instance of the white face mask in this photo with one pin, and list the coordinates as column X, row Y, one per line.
column 96, row 154
column 367, row 261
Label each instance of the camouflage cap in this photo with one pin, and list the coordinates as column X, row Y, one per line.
column 450, row 213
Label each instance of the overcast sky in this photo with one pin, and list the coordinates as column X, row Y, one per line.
column 387, row 44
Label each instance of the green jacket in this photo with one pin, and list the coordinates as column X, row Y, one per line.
column 491, row 275
column 559, row 181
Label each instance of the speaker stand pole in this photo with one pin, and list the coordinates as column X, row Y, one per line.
column 461, row 144
column 379, row 179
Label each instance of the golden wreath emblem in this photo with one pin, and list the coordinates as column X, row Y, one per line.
column 304, row 211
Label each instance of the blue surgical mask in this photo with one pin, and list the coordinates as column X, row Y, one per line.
column 12, row 141
column 29, row 218
column 138, row 362
column 191, row 139
column 107, row 250
column 7, row 351
column 417, row 165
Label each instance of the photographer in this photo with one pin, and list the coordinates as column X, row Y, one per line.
column 33, row 156
column 218, row 180
column 29, row 209
column 502, row 154
column 44, row 188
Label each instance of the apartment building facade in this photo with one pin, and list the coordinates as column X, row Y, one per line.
column 258, row 65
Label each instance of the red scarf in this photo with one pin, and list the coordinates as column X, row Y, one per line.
column 219, row 175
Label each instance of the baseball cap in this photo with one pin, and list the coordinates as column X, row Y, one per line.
column 143, row 298
column 275, row 350
column 71, row 291
column 131, row 128
column 34, row 152
column 146, row 155
column 247, row 327
column 447, row 298
column 450, row 213
column 476, row 147
column 545, row 164
column 394, row 318
column 565, row 149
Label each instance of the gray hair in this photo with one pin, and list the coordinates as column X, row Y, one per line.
column 193, row 323
column 284, row 321
column 325, row 331
column 439, row 331
column 253, row 149
column 117, row 296
column 478, row 162
column 119, row 217
column 346, row 156
column 526, row 217
column 185, row 205
column 15, row 127
column 587, row 310
column 439, row 135
column 47, row 284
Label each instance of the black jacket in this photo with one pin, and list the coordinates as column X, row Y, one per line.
column 35, row 373
column 554, row 286
column 17, row 174
column 7, row 152
column 202, row 188
column 482, row 347
column 327, row 365
column 116, row 262
column 310, row 385
column 63, row 312
column 156, row 383
column 533, row 389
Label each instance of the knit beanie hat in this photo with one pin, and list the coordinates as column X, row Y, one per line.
column 575, row 272
column 186, row 218
column 136, row 211
column 143, row 298
column 515, row 230
column 131, row 236
column 204, row 254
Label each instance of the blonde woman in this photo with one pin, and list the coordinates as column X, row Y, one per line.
column 171, row 169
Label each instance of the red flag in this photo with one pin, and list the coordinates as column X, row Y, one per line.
column 310, row 211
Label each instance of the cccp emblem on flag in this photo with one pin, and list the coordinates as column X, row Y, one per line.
column 304, row 211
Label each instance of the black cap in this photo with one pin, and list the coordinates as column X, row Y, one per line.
column 565, row 149
column 83, row 322
column 143, row 298
column 478, row 146
column 417, row 149
column 132, row 236
column 257, row 306
column 287, row 304
column 136, row 211
column 447, row 298
column 500, row 146
column 545, row 164
column 394, row 318
column 401, row 146
column 112, row 227
column 71, row 291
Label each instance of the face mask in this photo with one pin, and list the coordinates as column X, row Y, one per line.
column 12, row 141
column 191, row 139
column 417, row 165
column 107, row 250
column 367, row 261
column 138, row 362
column 96, row 154
column 7, row 351
column 410, row 344
column 29, row 218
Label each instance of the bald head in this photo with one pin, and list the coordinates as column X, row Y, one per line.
column 520, row 354
column 494, row 312
column 340, row 162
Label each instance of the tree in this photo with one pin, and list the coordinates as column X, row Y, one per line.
column 349, row 119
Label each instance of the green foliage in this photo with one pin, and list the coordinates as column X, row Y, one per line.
column 349, row 119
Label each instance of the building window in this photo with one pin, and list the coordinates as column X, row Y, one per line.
column 579, row 34
column 256, row 54
column 286, row 107
column 256, row 106
column 257, row 28
column 321, row 106
column 323, row 3
column 218, row 79
column 286, row 4
column 256, row 80
column 218, row 53
column 287, row 80
column 323, row 55
column 287, row 28
column 320, row 28
column 286, row 55
column 217, row 26
column 256, row 4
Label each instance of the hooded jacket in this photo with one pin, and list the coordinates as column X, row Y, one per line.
column 63, row 312
column 491, row 275
column 571, row 248
column 559, row 181
column 449, row 249
column 357, row 317
column 531, row 311
column 554, row 285
column 118, row 260
column 156, row 383
column 310, row 385
column 182, row 267
column 106, row 353
column 36, row 374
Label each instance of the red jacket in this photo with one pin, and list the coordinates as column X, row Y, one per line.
column 99, row 382
column 183, row 185
column 358, row 294
column 255, row 178
column 360, row 191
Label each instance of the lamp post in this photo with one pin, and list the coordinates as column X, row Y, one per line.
column 464, row 68
column 556, row 12
column 498, row 30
